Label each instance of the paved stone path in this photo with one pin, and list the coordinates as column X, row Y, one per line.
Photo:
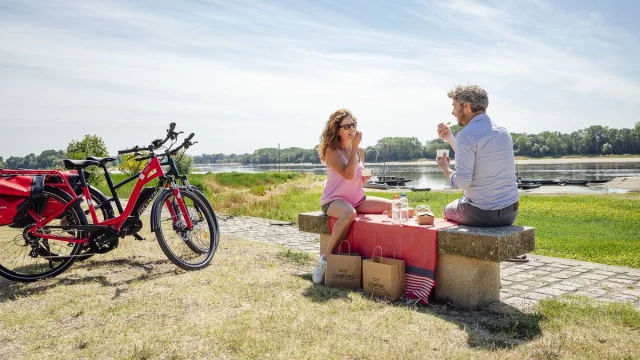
column 523, row 284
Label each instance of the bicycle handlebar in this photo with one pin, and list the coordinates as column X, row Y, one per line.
column 145, row 157
column 134, row 149
column 185, row 144
column 171, row 134
column 155, row 144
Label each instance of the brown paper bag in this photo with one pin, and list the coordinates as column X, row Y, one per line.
column 344, row 270
column 383, row 277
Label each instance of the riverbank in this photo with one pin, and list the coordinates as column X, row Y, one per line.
column 558, row 161
column 548, row 161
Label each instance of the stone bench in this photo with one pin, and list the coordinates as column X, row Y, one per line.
column 468, row 267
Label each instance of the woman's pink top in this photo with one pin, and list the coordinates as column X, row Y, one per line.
column 339, row 187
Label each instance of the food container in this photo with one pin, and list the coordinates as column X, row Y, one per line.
column 424, row 215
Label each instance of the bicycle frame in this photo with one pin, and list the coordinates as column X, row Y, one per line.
column 172, row 173
column 151, row 171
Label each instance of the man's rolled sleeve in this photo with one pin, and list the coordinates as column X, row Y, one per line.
column 465, row 159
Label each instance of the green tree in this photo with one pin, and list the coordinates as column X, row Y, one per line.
column 90, row 145
column 50, row 159
column 1, row 162
column 184, row 163
column 130, row 166
column 607, row 149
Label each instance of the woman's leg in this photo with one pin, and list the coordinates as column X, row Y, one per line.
column 345, row 213
column 373, row 205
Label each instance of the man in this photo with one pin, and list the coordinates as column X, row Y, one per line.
column 485, row 163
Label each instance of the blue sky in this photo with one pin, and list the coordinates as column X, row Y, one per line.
column 249, row 74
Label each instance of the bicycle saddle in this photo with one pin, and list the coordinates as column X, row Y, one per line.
column 78, row 164
column 102, row 161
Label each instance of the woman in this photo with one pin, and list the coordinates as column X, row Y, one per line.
column 343, row 196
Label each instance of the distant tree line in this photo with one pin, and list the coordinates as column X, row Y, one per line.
column 592, row 141
column 46, row 160
column 90, row 145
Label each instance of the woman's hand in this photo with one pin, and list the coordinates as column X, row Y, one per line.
column 356, row 140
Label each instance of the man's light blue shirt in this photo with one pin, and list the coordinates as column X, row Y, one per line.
column 485, row 165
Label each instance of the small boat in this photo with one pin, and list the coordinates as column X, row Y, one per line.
column 527, row 186
column 597, row 181
column 561, row 182
column 376, row 185
column 538, row 181
column 392, row 180
column 419, row 189
column 572, row 182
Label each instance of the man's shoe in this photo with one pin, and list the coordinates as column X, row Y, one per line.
column 318, row 272
column 519, row 259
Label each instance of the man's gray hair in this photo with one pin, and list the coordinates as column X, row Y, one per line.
column 472, row 94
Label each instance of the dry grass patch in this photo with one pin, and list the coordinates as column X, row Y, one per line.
column 253, row 303
column 233, row 200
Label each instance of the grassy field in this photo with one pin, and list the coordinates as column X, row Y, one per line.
column 252, row 303
column 598, row 228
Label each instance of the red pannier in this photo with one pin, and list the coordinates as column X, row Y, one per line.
column 17, row 193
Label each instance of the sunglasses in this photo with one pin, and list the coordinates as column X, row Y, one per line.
column 348, row 126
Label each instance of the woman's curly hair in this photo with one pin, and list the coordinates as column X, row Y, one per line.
column 330, row 137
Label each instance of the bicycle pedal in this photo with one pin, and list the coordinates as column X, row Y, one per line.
column 138, row 237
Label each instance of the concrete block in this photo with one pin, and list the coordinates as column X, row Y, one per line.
column 494, row 244
column 314, row 222
column 468, row 283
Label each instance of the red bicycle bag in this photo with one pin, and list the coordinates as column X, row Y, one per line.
column 17, row 193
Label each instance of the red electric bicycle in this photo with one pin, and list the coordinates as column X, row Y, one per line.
column 42, row 234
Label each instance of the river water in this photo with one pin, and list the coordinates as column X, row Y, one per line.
column 429, row 175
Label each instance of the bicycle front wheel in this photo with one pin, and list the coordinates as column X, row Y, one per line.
column 188, row 249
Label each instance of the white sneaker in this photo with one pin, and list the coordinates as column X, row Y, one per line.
column 318, row 272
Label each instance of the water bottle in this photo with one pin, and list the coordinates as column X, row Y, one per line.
column 404, row 208
column 395, row 210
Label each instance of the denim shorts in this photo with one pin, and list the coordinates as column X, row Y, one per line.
column 325, row 207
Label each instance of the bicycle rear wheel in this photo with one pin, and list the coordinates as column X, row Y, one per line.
column 103, row 206
column 26, row 259
column 188, row 249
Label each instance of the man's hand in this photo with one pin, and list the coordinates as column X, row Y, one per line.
column 443, row 164
column 444, row 132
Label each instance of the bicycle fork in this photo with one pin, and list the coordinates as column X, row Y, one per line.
column 178, row 211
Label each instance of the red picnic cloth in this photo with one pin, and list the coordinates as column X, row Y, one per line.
column 416, row 244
